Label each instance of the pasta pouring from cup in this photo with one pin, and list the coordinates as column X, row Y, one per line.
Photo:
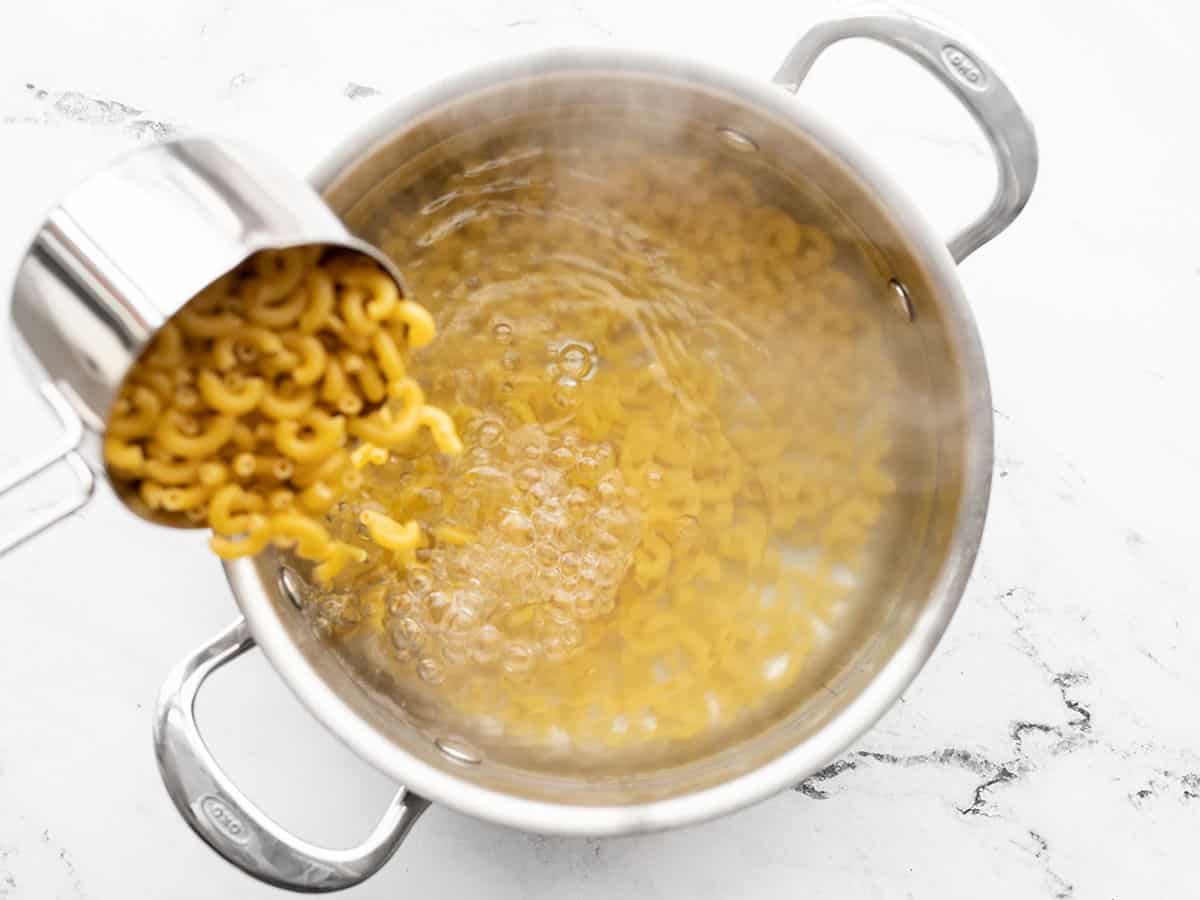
column 255, row 408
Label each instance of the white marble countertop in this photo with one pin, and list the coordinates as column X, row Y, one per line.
column 1052, row 746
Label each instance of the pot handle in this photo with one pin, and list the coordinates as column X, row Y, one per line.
column 222, row 815
column 63, row 449
column 976, row 85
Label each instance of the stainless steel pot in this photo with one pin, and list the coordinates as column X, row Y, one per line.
column 106, row 271
column 945, row 354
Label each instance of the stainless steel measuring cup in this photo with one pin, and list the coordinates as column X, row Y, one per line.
column 120, row 255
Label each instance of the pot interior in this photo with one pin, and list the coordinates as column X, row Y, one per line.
column 916, row 565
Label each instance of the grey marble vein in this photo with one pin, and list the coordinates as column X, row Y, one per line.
column 52, row 108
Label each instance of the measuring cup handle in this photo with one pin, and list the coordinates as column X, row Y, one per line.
column 62, row 449
column 222, row 815
column 949, row 57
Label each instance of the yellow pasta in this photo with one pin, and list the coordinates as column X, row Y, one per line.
column 318, row 290
column 232, row 394
column 286, row 401
column 311, row 353
column 125, row 458
column 229, row 509
column 366, row 454
column 671, row 397
column 236, row 416
column 136, row 414
column 185, row 436
column 388, row 533
column 381, row 293
column 317, row 436
column 421, row 329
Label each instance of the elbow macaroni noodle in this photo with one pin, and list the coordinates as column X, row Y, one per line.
column 674, row 406
column 239, row 415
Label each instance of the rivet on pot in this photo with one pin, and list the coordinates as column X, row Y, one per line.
column 735, row 140
column 291, row 585
column 901, row 301
column 459, row 751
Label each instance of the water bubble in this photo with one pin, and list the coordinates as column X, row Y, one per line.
column 561, row 614
column 454, row 651
column 547, row 555
column 528, row 476
column 527, row 443
column 400, row 602
column 520, row 573
column 407, row 633
column 487, row 431
column 511, row 360
column 431, row 671
column 607, row 543
column 518, row 657
column 437, row 604
column 549, row 521
column 587, row 605
column 459, row 621
column 542, row 491
column 565, row 395
column 553, row 650
column 571, row 635
column 470, row 599
column 502, row 332
column 576, row 359
column 485, row 648
column 609, row 486
column 516, row 528
column 610, row 518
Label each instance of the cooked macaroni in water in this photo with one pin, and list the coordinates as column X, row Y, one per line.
column 674, row 403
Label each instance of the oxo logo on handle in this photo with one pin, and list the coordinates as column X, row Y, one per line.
column 963, row 67
column 223, row 819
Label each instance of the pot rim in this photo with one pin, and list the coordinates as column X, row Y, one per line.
column 927, row 628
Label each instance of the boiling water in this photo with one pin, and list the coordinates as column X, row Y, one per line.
column 677, row 405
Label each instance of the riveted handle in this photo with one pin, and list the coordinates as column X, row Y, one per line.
column 223, row 816
column 949, row 57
